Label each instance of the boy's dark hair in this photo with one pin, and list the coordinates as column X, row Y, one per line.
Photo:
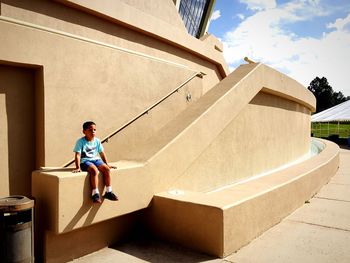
column 87, row 124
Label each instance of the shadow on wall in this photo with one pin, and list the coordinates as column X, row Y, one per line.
column 87, row 207
column 18, row 131
column 282, row 103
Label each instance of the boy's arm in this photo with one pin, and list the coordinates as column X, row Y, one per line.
column 104, row 159
column 77, row 163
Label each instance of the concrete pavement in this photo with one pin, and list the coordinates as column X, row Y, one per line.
column 319, row 232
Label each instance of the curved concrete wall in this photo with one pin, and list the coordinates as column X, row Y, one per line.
column 201, row 130
column 254, row 142
column 221, row 222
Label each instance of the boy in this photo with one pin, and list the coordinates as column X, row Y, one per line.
column 88, row 154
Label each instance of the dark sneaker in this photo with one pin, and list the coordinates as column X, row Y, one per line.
column 110, row 196
column 96, row 198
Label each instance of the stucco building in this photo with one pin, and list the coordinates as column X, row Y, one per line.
column 187, row 135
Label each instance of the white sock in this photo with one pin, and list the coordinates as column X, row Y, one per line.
column 95, row 191
column 108, row 189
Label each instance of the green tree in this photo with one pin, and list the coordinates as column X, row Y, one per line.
column 325, row 96
column 338, row 97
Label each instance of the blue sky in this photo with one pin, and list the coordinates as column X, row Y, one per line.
column 302, row 38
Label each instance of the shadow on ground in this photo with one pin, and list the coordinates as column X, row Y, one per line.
column 153, row 250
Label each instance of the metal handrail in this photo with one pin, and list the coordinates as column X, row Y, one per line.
column 105, row 139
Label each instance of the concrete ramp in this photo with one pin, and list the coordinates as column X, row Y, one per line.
column 236, row 130
column 159, row 163
column 221, row 222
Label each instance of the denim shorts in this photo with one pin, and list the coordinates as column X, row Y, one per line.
column 85, row 165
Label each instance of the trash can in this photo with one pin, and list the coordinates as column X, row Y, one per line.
column 16, row 229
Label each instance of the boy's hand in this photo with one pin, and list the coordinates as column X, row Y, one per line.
column 112, row 167
column 76, row 170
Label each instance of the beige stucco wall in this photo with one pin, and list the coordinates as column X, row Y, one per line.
column 4, row 165
column 223, row 221
column 228, row 223
column 204, row 123
column 122, row 25
column 62, row 248
column 160, row 162
column 74, row 67
column 17, row 136
column 240, row 150
column 129, row 139
column 110, row 60
column 79, row 85
column 161, row 9
column 156, row 27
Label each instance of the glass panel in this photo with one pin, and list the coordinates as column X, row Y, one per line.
column 192, row 13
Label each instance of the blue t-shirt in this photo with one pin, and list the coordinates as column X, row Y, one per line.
column 89, row 150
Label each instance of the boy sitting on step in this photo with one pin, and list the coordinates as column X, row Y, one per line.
column 90, row 157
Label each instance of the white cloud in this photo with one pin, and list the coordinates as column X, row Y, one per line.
column 240, row 16
column 215, row 15
column 314, row 2
column 258, row 5
column 340, row 24
column 262, row 38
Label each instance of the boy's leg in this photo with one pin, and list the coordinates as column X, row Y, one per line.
column 106, row 171
column 93, row 172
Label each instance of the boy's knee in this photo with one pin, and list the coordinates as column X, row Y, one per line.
column 93, row 170
column 104, row 168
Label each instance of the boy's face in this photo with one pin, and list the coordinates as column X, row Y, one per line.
column 90, row 132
